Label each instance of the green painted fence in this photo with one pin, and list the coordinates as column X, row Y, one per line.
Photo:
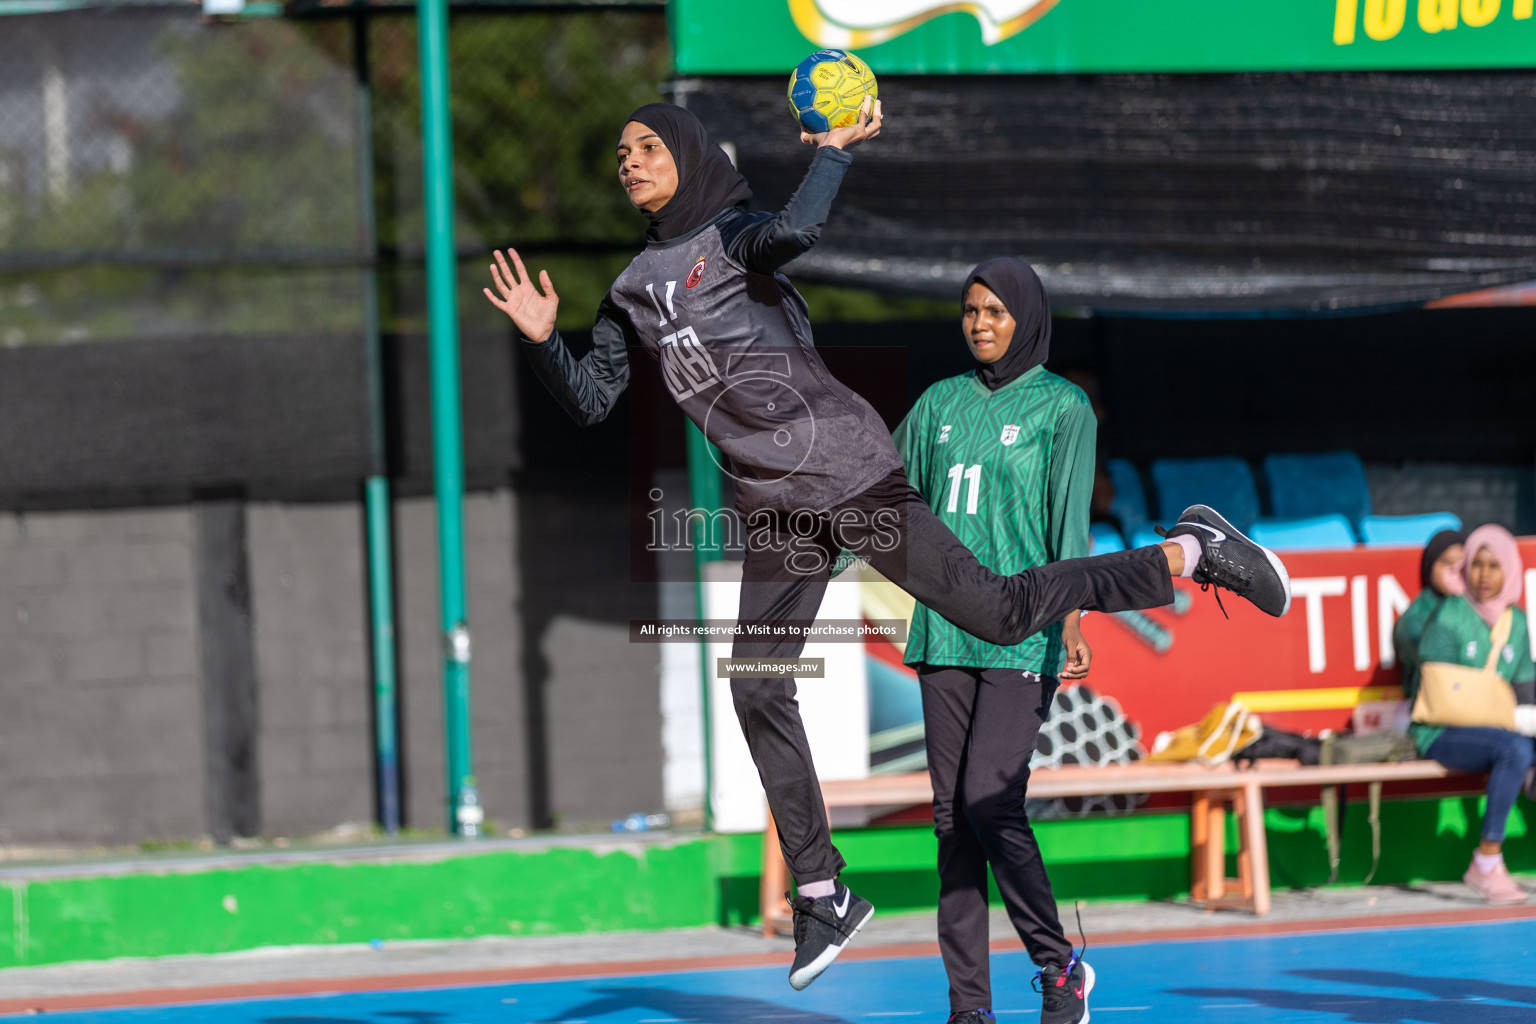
column 173, row 908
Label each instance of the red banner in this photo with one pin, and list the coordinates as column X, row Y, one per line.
column 1305, row 671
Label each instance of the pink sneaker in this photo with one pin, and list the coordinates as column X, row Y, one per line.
column 1495, row 886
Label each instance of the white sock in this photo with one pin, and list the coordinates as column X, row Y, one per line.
column 1487, row 862
column 815, row 890
column 1525, row 719
column 1192, row 553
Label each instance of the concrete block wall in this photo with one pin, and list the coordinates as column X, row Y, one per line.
column 597, row 695
column 309, row 600
column 102, row 701
column 101, row 736
column 498, row 746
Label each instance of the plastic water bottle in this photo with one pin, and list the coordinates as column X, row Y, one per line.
column 469, row 814
column 642, row 822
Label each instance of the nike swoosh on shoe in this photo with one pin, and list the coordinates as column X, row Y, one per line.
column 1216, row 535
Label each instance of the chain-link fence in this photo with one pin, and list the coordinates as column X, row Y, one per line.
column 165, row 175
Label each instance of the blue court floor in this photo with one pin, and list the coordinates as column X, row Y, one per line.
column 1464, row 974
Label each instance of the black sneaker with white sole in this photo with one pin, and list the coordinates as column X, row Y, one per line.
column 1230, row 561
column 823, row 926
column 1064, row 994
column 980, row 1015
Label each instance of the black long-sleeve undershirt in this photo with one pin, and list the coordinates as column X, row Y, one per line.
column 764, row 242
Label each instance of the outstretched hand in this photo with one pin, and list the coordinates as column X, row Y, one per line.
column 866, row 127
column 532, row 312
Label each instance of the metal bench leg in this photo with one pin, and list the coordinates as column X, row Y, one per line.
column 1215, row 848
column 775, row 880
column 1244, row 848
column 1257, row 843
column 1217, row 851
column 1199, row 840
column 1207, row 847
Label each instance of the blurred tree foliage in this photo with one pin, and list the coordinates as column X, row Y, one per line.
column 537, row 103
column 234, row 180
column 226, row 202
column 233, row 152
column 260, row 156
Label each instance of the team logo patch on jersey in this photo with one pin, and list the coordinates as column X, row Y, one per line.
column 686, row 364
column 696, row 274
column 1010, row 433
column 944, row 434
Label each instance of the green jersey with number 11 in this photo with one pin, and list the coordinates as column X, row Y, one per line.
column 1010, row 472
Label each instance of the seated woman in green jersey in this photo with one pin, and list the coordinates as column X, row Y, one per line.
column 1439, row 565
column 1004, row 455
column 1460, row 632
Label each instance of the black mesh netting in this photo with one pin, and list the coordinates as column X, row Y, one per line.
column 1173, row 192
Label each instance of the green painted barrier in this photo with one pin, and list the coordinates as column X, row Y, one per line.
column 178, row 907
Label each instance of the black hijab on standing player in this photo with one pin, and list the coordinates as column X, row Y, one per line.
column 707, row 183
column 1015, row 282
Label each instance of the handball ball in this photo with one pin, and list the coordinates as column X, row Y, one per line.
column 825, row 91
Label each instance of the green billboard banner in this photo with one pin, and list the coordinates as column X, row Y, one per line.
column 1052, row 36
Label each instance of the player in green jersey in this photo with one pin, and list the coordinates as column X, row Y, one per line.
column 1004, row 454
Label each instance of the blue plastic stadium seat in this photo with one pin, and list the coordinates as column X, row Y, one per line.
column 1315, row 533
column 1224, row 483
column 1130, row 504
column 1103, row 538
column 1405, row 531
column 1318, row 484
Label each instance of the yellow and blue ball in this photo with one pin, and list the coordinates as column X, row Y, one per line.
column 827, row 88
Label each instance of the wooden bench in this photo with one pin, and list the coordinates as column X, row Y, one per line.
column 1213, row 789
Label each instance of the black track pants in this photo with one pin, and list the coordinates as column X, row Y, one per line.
column 787, row 567
column 981, row 726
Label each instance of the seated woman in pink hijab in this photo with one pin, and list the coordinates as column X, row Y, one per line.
column 1461, row 633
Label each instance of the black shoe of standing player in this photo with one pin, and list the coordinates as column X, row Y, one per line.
column 1064, row 994
column 1232, row 562
column 823, row 926
column 976, row 1016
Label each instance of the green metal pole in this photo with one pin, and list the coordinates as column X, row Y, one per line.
column 382, row 607
column 381, row 582
column 704, row 493
column 464, row 812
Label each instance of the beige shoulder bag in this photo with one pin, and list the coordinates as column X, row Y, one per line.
column 1466, row 697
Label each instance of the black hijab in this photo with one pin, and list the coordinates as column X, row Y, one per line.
column 1015, row 282
column 707, row 183
column 1434, row 549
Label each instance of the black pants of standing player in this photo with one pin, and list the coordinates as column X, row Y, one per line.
column 783, row 581
column 980, row 725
